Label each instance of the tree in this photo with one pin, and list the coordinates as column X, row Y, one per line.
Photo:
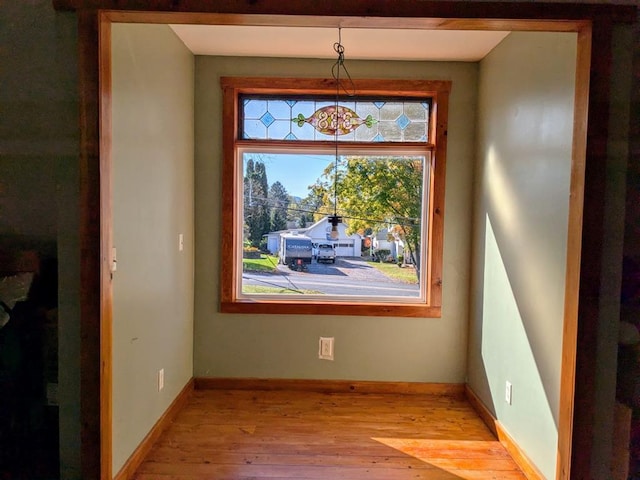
column 319, row 202
column 381, row 192
column 256, row 202
column 295, row 213
column 279, row 202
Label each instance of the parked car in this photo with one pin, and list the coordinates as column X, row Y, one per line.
column 326, row 253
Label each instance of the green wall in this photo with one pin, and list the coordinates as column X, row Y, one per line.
column 525, row 130
column 366, row 348
column 152, row 205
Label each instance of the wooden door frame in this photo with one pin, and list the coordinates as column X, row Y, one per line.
column 593, row 23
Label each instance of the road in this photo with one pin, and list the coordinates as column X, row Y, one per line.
column 346, row 277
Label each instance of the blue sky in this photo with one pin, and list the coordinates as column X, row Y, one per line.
column 296, row 172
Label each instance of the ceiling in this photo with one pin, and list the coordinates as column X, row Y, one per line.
column 359, row 43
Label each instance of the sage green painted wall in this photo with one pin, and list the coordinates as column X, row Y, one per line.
column 39, row 146
column 152, row 204
column 525, row 129
column 366, row 348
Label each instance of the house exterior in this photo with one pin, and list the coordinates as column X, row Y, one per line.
column 273, row 239
column 346, row 245
column 386, row 240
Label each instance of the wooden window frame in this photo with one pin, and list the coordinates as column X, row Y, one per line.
column 233, row 88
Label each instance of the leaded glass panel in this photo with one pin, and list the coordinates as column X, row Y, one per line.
column 360, row 120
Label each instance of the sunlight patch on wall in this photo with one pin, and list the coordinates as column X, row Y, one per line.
column 503, row 201
column 503, row 326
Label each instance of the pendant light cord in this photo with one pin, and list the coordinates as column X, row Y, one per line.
column 335, row 72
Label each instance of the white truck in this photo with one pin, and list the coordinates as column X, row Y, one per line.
column 326, row 253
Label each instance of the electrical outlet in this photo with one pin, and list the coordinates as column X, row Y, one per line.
column 325, row 349
column 507, row 392
column 160, row 379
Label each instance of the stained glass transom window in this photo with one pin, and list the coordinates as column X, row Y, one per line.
column 354, row 120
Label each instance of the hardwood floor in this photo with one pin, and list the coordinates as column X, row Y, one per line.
column 242, row 435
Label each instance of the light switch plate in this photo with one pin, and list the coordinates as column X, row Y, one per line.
column 325, row 349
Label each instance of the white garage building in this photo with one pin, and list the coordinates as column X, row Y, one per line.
column 319, row 232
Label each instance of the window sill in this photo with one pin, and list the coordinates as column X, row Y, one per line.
column 331, row 308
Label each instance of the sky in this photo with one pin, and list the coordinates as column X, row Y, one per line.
column 296, row 172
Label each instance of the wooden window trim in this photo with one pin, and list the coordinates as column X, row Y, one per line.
column 230, row 301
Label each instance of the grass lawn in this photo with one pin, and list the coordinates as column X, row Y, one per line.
column 266, row 263
column 271, row 290
column 406, row 274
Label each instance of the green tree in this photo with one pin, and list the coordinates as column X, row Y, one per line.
column 279, row 201
column 319, row 202
column 298, row 212
column 380, row 192
column 256, row 202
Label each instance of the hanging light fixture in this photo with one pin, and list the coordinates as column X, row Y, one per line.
column 339, row 127
column 342, row 121
column 334, row 220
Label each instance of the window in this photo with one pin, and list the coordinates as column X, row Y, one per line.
column 363, row 174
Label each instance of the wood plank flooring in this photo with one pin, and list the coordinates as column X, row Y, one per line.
column 275, row 435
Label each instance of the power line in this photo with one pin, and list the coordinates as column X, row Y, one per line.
column 412, row 221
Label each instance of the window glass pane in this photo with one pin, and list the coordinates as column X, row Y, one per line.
column 360, row 120
column 254, row 108
column 289, row 248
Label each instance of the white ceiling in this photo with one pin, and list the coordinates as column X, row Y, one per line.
column 359, row 43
